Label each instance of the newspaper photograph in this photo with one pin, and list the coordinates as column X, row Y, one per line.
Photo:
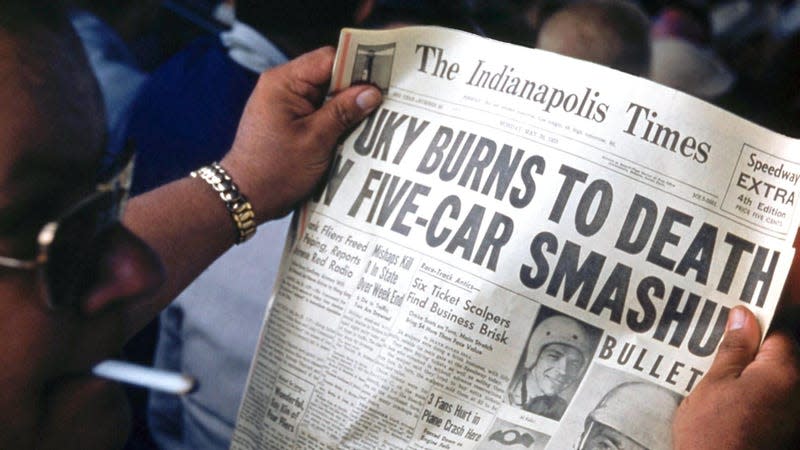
column 517, row 250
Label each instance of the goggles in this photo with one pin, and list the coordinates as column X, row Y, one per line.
column 68, row 248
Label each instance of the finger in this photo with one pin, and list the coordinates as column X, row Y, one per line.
column 303, row 80
column 738, row 346
column 313, row 67
column 777, row 364
column 791, row 290
column 344, row 111
column 787, row 319
column 779, row 346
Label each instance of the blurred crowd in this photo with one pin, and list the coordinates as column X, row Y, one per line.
column 741, row 55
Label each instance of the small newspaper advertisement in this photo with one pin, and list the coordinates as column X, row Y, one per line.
column 517, row 250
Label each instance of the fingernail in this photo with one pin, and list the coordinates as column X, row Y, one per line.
column 368, row 99
column 737, row 319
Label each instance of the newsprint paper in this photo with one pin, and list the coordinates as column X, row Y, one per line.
column 517, row 250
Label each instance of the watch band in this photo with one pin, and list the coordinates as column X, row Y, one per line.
column 238, row 206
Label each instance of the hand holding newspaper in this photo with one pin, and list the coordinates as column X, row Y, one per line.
column 517, row 250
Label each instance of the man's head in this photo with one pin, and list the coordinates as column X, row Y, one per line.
column 557, row 368
column 559, row 350
column 390, row 14
column 632, row 416
column 51, row 144
column 614, row 33
column 302, row 25
column 602, row 437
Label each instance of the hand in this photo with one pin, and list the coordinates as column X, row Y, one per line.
column 791, row 291
column 284, row 143
column 750, row 397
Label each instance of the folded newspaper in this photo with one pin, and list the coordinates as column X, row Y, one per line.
column 517, row 250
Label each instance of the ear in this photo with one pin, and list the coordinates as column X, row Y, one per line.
column 126, row 269
column 364, row 10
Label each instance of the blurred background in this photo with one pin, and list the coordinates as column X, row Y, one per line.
column 741, row 55
column 749, row 48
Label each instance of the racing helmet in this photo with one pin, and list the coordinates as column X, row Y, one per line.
column 641, row 411
column 558, row 330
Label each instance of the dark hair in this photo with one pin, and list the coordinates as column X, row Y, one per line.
column 448, row 13
column 56, row 69
column 623, row 30
column 633, row 27
column 296, row 16
column 104, row 8
column 20, row 17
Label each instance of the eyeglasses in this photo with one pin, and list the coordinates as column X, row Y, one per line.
column 68, row 247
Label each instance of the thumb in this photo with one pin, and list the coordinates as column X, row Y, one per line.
column 738, row 346
column 346, row 109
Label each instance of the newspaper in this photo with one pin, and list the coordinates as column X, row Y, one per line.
column 517, row 250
